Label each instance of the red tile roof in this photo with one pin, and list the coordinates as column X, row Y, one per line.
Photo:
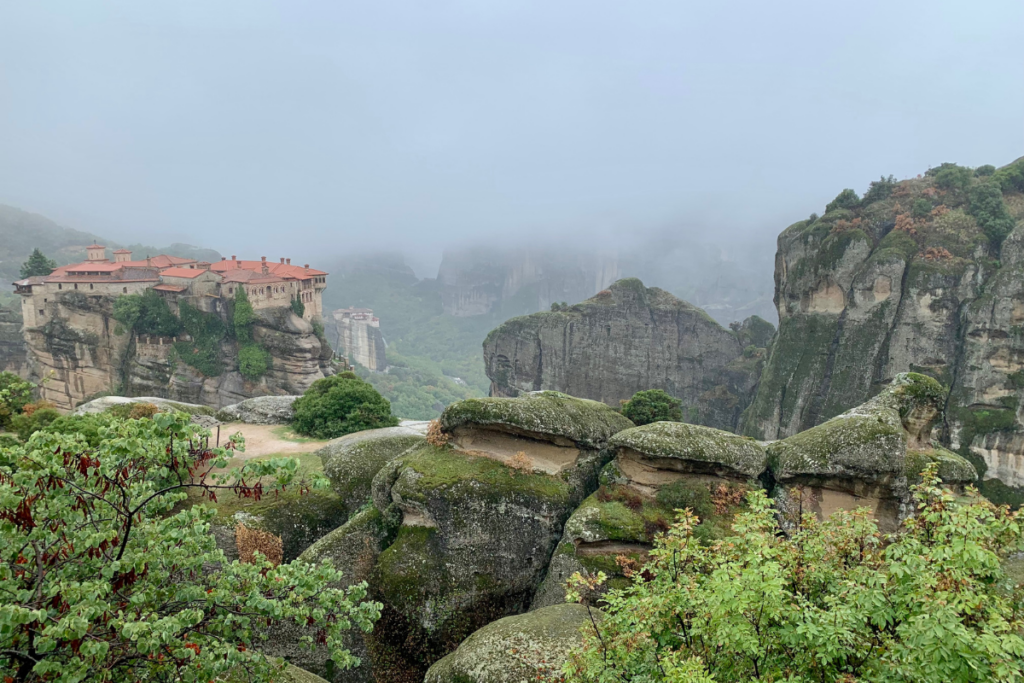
column 189, row 273
column 95, row 246
column 170, row 288
column 92, row 267
column 123, row 251
column 160, row 261
column 283, row 270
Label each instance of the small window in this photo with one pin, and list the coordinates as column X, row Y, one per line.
column 42, row 312
column 76, row 285
column 124, row 289
column 60, row 286
column 90, row 285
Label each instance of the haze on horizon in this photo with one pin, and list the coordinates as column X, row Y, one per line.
column 326, row 127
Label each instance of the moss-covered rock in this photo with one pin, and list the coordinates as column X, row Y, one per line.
column 861, row 458
column 475, row 539
column 702, row 449
column 543, row 414
column 517, row 649
column 293, row 674
column 353, row 549
column 352, row 461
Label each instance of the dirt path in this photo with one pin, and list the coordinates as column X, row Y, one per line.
column 268, row 440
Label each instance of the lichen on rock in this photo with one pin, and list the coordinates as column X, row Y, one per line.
column 703, row 448
column 541, row 415
column 517, row 649
column 261, row 410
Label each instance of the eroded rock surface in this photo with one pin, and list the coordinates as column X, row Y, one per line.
column 905, row 281
column 518, row 649
column 626, row 339
column 261, row 410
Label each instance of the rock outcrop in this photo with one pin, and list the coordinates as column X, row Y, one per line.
column 627, row 339
column 453, row 537
column 658, row 468
column 906, row 279
column 13, row 352
column 82, row 351
column 357, row 335
column 262, row 410
column 866, row 457
column 519, row 649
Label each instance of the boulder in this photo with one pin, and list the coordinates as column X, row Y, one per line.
column 262, row 410
column 658, row 468
column 860, row 458
column 352, row 461
column 518, row 649
column 543, row 415
column 353, row 549
column 293, row 674
column 475, row 538
column 99, row 405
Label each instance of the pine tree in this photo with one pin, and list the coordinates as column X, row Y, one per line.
column 37, row 264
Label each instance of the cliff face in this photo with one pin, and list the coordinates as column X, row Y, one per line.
column 480, row 281
column 904, row 280
column 82, row 351
column 13, row 352
column 626, row 339
column 361, row 341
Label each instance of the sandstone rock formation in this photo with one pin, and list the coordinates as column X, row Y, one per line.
column 104, row 403
column 518, row 649
column 905, row 280
column 13, row 352
column 262, row 410
column 627, row 339
column 357, row 335
column 866, row 457
column 81, row 351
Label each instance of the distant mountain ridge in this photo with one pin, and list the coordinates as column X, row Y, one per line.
column 22, row 231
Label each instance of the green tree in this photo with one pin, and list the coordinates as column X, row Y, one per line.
column 952, row 177
column 244, row 316
column 15, row 394
column 1011, row 178
column 847, row 199
column 105, row 577
column 253, row 362
column 921, row 208
column 836, row 602
column 986, row 170
column 339, row 405
column 985, row 203
column 146, row 313
column 37, row 264
column 879, row 190
column 298, row 308
column 653, row 405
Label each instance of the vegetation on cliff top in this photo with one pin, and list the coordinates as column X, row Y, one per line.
column 37, row 264
column 834, row 601
column 653, row 405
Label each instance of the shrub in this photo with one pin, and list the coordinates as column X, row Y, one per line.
column 338, row 405
column 847, row 199
column 15, row 394
column 985, row 203
column 879, row 190
column 683, row 495
column 251, row 541
column 1010, row 178
column 835, row 601
column 27, row 425
column 253, row 361
column 86, row 427
column 953, row 178
column 435, row 435
column 653, row 405
column 298, row 308
column 521, row 463
column 922, row 208
column 107, row 577
column 986, row 170
column 146, row 313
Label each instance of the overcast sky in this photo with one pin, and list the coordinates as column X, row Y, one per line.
column 248, row 126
